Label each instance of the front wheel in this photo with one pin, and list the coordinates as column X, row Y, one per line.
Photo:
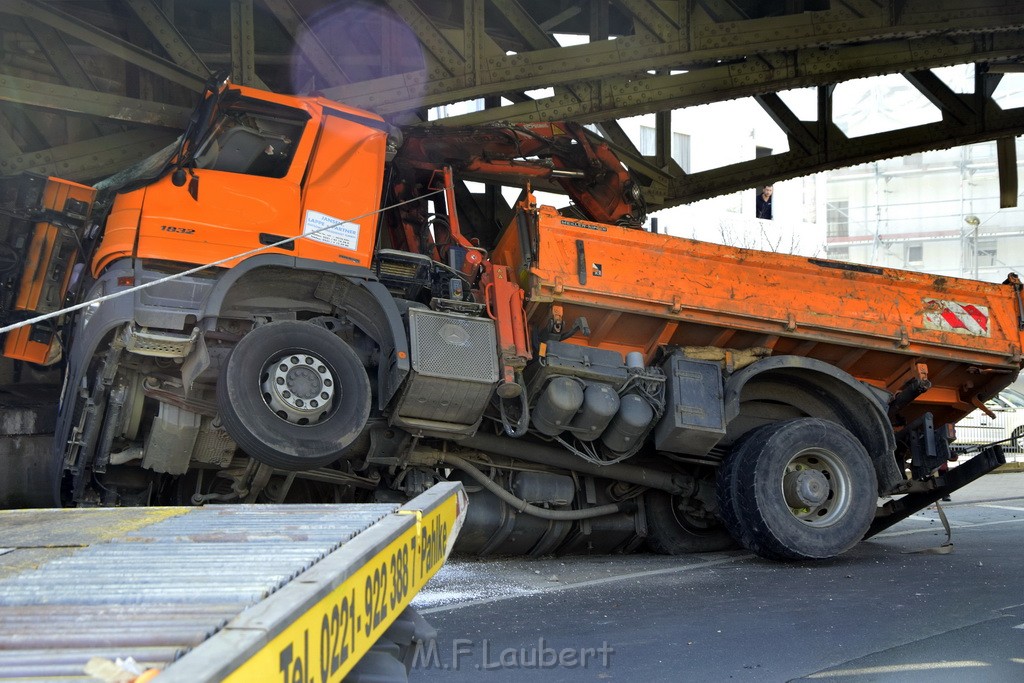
column 293, row 395
column 802, row 489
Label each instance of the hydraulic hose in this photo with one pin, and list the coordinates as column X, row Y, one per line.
column 675, row 483
column 526, row 508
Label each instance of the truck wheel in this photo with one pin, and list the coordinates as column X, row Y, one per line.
column 726, row 481
column 671, row 530
column 802, row 489
column 293, row 396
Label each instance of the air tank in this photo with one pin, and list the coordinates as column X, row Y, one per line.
column 600, row 404
column 557, row 405
column 630, row 424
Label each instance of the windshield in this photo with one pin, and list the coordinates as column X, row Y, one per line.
column 215, row 96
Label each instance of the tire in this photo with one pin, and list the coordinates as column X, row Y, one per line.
column 308, row 427
column 801, row 489
column 670, row 531
column 726, row 481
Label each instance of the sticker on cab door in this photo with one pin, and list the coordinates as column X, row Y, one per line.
column 331, row 230
column 953, row 316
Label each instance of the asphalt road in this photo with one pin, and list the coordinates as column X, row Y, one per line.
column 891, row 609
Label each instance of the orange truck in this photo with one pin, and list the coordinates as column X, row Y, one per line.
column 292, row 303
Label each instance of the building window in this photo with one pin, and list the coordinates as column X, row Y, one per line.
column 914, row 254
column 648, row 141
column 680, row 146
column 681, row 150
column 760, row 152
column 987, row 254
column 838, row 215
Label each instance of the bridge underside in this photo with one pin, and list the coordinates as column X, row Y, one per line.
column 88, row 86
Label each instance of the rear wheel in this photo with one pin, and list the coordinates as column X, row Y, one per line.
column 801, row 489
column 675, row 527
column 293, row 396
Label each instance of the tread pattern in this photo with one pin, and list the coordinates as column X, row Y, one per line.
column 744, row 475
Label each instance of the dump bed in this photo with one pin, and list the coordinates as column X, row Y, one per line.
column 640, row 291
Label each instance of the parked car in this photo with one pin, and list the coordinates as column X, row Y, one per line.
column 978, row 428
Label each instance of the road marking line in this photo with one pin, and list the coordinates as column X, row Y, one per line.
column 1002, row 507
column 588, row 583
column 1020, row 626
column 961, row 525
column 900, row 668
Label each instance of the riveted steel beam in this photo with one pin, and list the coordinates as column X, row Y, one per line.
column 629, row 154
column 446, row 58
column 8, row 147
column 651, row 19
column 103, row 40
column 243, row 45
column 65, row 64
column 836, row 150
column 319, row 58
column 799, row 135
column 646, row 93
column 528, row 29
column 939, row 94
column 89, row 159
column 89, row 102
column 55, row 49
column 531, row 34
column 643, row 56
column 705, row 39
column 168, row 36
column 22, row 124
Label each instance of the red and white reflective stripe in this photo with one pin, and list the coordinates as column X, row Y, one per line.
column 952, row 316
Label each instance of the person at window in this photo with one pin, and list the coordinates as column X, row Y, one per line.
column 764, row 203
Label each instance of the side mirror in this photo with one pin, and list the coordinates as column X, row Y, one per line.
column 178, row 177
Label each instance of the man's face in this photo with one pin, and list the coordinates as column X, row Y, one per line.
column 767, row 191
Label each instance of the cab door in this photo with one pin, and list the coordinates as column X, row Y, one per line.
column 342, row 192
column 243, row 194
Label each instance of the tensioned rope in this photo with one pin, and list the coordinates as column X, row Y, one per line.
column 205, row 266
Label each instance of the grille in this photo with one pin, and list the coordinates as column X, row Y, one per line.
column 396, row 269
column 454, row 368
column 453, row 346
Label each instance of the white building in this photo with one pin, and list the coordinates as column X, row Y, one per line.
column 936, row 212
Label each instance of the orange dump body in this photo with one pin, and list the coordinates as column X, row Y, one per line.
column 641, row 291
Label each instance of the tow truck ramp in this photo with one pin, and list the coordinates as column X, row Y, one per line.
column 222, row 593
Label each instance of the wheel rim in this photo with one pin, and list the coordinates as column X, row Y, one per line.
column 299, row 388
column 692, row 523
column 816, row 486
